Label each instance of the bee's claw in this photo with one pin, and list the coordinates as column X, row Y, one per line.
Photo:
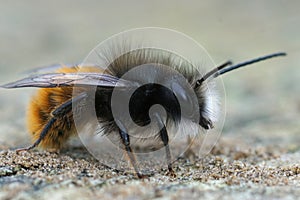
column 171, row 173
column 142, row 176
column 24, row 149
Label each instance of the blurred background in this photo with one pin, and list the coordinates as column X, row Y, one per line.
column 261, row 100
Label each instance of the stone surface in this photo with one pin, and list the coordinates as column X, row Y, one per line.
column 257, row 156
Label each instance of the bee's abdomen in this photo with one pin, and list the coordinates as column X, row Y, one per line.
column 44, row 103
column 40, row 111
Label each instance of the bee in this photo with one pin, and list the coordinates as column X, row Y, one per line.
column 50, row 117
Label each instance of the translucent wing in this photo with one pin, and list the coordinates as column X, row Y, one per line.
column 54, row 67
column 52, row 80
column 48, row 68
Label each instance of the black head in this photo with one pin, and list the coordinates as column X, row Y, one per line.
column 204, row 120
column 162, row 89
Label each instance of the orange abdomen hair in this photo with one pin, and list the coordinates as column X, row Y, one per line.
column 40, row 109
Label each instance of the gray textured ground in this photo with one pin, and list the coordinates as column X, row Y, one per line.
column 257, row 156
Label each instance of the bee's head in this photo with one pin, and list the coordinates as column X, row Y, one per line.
column 181, row 94
column 178, row 95
column 205, row 107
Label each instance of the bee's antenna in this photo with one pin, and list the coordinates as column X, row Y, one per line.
column 212, row 72
column 222, row 69
column 249, row 62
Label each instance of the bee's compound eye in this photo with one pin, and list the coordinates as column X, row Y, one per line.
column 148, row 95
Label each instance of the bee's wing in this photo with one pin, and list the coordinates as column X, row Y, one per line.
column 70, row 79
column 48, row 68
column 54, row 67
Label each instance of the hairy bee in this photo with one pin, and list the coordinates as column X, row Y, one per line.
column 50, row 117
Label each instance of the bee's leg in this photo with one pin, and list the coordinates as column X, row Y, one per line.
column 59, row 112
column 189, row 153
column 165, row 139
column 41, row 137
column 126, row 142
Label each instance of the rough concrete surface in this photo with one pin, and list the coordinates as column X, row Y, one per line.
column 258, row 153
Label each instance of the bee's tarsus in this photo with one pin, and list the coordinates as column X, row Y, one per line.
column 43, row 134
column 165, row 139
column 25, row 148
column 171, row 173
column 126, row 142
